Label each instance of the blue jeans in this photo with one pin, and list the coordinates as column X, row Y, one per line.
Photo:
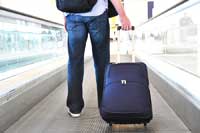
column 78, row 28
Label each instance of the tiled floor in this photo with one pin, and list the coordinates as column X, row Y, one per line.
column 50, row 115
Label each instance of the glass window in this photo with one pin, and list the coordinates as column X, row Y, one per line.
column 25, row 42
column 173, row 38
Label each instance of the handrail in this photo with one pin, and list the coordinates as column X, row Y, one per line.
column 165, row 11
column 38, row 18
column 28, row 15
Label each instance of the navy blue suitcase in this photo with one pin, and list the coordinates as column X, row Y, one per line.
column 126, row 96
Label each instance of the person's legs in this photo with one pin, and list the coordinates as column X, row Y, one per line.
column 99, row 33
column 77, row 36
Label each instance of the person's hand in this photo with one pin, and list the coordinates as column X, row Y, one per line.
column 125, row 22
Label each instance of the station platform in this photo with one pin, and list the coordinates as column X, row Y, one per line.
column 50, row 115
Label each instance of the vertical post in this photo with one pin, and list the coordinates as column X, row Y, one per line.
column 118, row 46
column 150, row 9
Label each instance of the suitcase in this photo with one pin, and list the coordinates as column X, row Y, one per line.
column 126, row 96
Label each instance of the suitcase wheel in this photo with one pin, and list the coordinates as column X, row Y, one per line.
column 110, row 124
column 145, row 124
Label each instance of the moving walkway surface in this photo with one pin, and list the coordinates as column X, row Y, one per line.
column 50, row 115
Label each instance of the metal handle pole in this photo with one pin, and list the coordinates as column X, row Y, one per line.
column 118, row 42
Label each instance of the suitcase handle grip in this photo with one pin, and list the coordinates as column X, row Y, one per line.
column 120, row 27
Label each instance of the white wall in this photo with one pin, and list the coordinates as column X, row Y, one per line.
column 41, row 8
column 162, row 5
column 136, row 11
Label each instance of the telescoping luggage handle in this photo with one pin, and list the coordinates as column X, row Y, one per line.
column 118, row 44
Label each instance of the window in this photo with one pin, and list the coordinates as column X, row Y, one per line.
column 172, row 39
column 28, row 41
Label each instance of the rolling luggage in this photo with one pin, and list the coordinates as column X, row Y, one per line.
column 126, row 95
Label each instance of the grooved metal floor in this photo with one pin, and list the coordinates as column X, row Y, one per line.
column 50, row 115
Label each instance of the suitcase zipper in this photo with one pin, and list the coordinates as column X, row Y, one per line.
column 125, row 82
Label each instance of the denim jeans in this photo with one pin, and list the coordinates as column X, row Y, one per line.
column 78, row 28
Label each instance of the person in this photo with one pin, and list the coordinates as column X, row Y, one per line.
column 79, row 25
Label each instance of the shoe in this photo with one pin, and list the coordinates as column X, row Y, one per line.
column 73, row 115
